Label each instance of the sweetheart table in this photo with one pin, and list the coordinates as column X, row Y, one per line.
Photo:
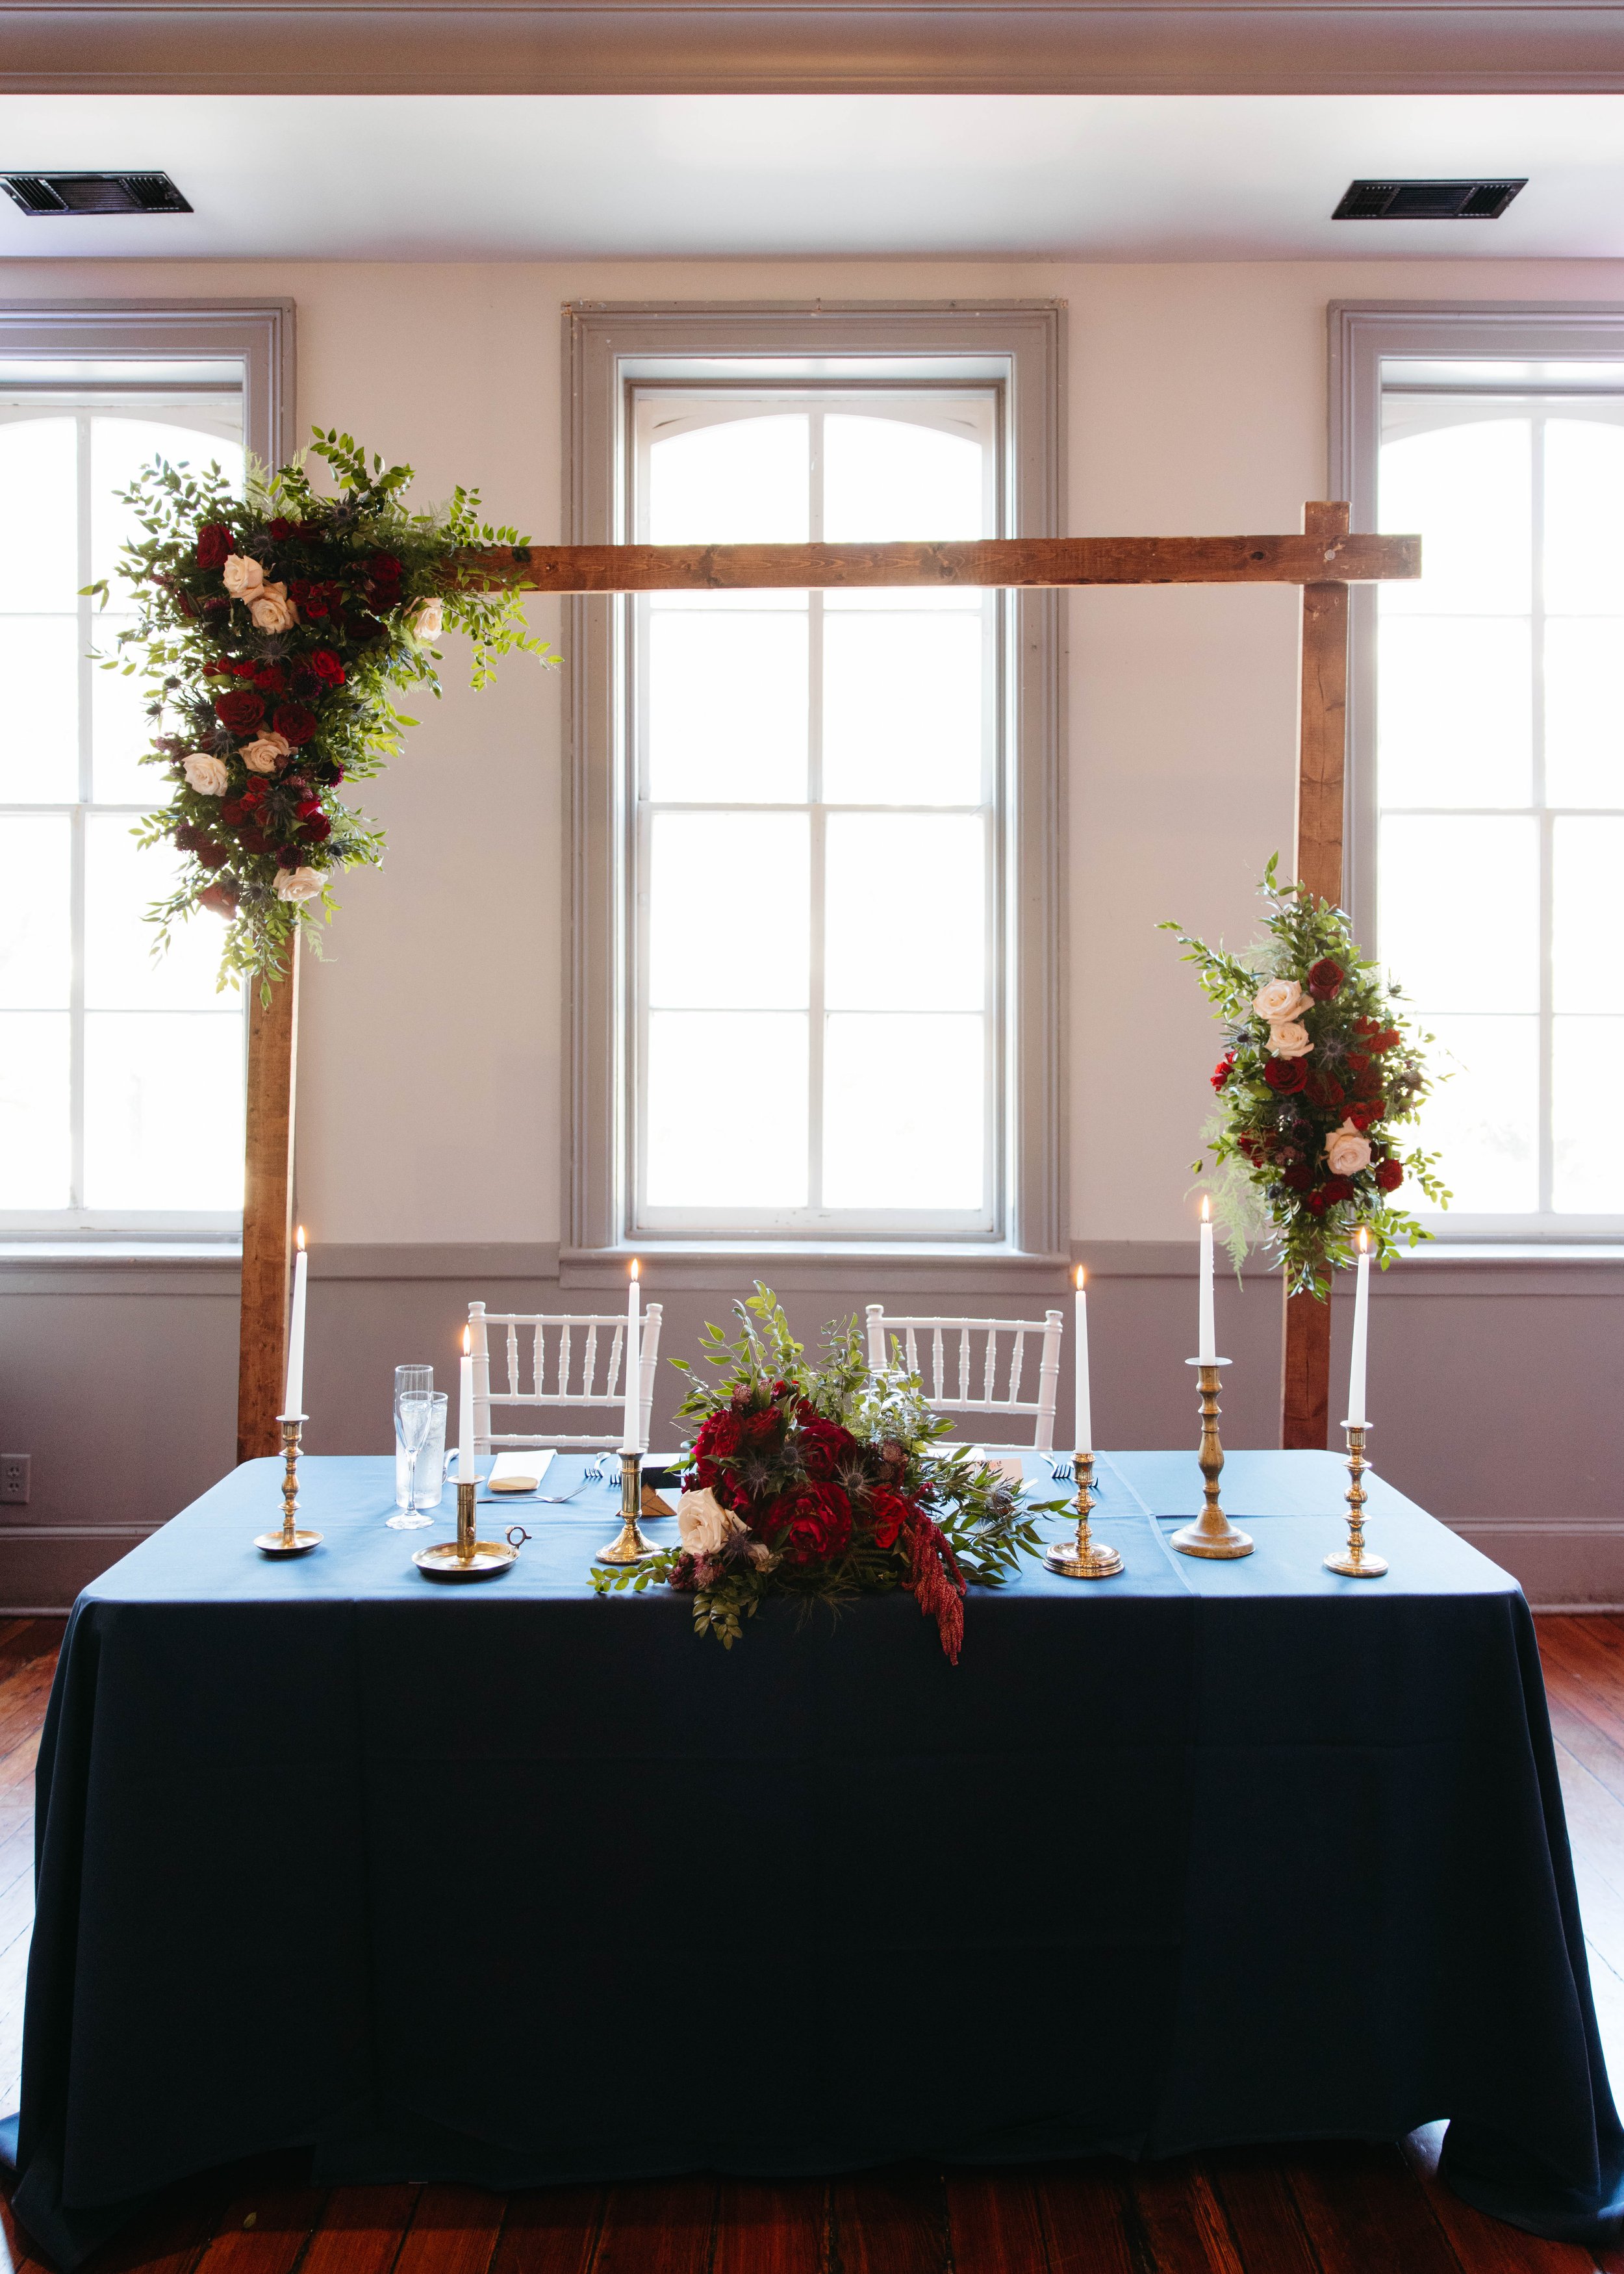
column 514, row 1884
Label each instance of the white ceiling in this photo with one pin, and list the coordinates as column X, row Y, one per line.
column 1118, row 177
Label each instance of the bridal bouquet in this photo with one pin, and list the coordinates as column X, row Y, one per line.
column 273, row 630
column 1320, row 1070
column 825, row 1483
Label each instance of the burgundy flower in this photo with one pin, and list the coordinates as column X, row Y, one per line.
column 328, row 667
column 1224, row 1068
column 822, row 1446
column 1317, row 1202
column 1324, row 1088
column 210, row 855
column 287, row 856
column 1299, row 1177
column 252, row 840
column 819, row 1523
column 759, row 1430
column 280, row 529
column 383, row 568
column 216, row 542
column 1390, row 1175
column 1337, row 1188
column 890, row 1513
column 1325, row 979
column 241, row 712
column 1284, row 1076
column 293, row 722
column 317, row 827
column 719, row 1438
column 221, row 899
column 270, row 678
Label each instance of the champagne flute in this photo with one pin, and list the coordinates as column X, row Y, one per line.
column 416, row 1412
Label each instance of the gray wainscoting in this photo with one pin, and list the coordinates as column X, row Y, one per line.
column 1493, row 1375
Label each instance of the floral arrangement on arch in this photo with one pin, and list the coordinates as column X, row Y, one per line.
column 820, row 1484
column 273, row 629
column 1320, row 1069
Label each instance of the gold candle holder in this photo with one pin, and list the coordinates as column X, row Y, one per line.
column 1081, row 1558
column 1212, row 1533
column 289, row 1540
column 1352, row 1561
column 628, row 1546
column 467, row 1556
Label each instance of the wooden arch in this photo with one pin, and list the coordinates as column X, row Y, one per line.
column 1324, row 560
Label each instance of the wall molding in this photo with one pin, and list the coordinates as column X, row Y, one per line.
column 1055, row 47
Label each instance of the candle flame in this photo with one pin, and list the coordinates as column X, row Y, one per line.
column 1082, row 1278
column 1207, row 1210
column 636, row 1268
column 467, row 1342
column 301, row 1235
column 1363, row 1240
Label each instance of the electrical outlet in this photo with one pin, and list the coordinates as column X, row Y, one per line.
column 14, row 1476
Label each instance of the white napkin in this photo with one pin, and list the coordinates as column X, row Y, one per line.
column 519, row 1465
column 1008, row 1466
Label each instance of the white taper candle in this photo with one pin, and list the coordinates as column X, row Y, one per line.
column 1361, row 1333
column 466, row 1469
column 293, row 1394
column 1206, row 1344
column 1085, row 1413
column 632, row 1433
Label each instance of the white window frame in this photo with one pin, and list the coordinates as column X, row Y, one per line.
column 62, row 337
column 1365, row 335
column 1015, row 350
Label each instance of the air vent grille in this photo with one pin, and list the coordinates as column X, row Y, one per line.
column 1453, row 200
column 42, row 194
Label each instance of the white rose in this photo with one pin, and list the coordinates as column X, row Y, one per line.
column 704, row 1524
column 208, row 776
column 428, row 619
column 272, row 610
column 1288, row 1040
column 1347, row 1150
column 266, row 753
column 298, row 883
column 1277, row 999
column 242, row 576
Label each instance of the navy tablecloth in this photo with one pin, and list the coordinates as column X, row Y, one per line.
column 511, row 1885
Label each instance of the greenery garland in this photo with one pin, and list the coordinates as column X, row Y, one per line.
column 1321, row 1067
column 273, row 630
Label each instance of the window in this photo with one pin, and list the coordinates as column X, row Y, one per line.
column 816, row 810
column 1496, row 812
column 120, row 1073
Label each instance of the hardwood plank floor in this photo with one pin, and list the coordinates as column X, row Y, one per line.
column 1341, row 2208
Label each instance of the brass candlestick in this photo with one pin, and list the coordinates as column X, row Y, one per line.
column 289, row 1540
column 1212, row 1533
column 1081, row 1558
column 1352, row 1561
column 628, row 1546
column 467, row 1556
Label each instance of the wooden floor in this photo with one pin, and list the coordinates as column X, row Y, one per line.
column 1341, row 2210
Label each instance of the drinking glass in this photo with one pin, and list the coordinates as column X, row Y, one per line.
column 417, row 1421
column 406, row 1378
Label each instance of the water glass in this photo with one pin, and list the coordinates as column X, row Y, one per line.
column 422, row 1416
column 409, row 1380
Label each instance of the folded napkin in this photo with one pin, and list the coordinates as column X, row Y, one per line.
column 531, row 1465
column 1008, row 1466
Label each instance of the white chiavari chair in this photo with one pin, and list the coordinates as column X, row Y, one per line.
column 550, row 1359
column 977, row 1365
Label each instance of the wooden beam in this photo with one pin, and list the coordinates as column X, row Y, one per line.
column 1051, row 562
column 267, row 1214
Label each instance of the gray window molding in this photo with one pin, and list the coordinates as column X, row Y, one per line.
column 1019, row 344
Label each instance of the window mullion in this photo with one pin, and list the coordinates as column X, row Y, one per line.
column 815, row 826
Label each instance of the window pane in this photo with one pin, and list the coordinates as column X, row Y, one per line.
column 1454, row 722
column 121, row 971
column 1484, row 1120
column 1584, row 510
column 1460, row 911
column 36, row 935
column 1585, row 857
column 1586, row 1083
column 1466, row 489
column 119, row 727
column 890, row 1140
column 35, row 1163
column 164, row 1110
column 903, row 708
column 727, row 706
column 120, row 447
column 39, row 483
column 905, row 923
column 742, row 481
column 1584, row 721
column 39, row 719
column 884, row 478
column 727, row 1109
column 729, row 911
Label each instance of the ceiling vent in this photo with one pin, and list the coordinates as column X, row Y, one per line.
column 39, row 195
column 1428, row 200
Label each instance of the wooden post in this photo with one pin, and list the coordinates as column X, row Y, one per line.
column 1305, row 1372
column 267, row 1214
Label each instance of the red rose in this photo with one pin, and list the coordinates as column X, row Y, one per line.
column 293, row 722
column 760, row 1429
column 210, row 855
column 1224, row 1068
column 1284, row 1076
column 1324, row 1088
column 1357, row 1062
column 1337, row 1188
column 220, row 899
column 718, row 1439
column 1325, row 979
column 240, row 711
column 384, row 568
column 1362, row 1114
column 1300, row 1178
column 1318, row 1202
column 251, row 794
column 889, row 1513
column 819, row 1522
column 1390, row 1175
column 282, row 530
column 287, row 856
column 822, row 1444
column 216, row 542
column 318, row 828
column 328, row 667
column 252, row 841
column 270, row 678
column 231, row 811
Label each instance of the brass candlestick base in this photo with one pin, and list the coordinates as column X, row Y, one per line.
column 1081, row 1558
column 1352, row 1561
column 289, row 1540
column 1212, row 1533
column 465, row 1557
column 628, row 1546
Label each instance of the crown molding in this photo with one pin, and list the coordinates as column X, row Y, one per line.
column 841, row 47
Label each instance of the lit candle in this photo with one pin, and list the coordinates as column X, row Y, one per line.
column 1206, row 1348
column 293, row 1399
column 466, row 1471
column 1085, row 1417
column 1361, row 1335
column 632, row 1433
